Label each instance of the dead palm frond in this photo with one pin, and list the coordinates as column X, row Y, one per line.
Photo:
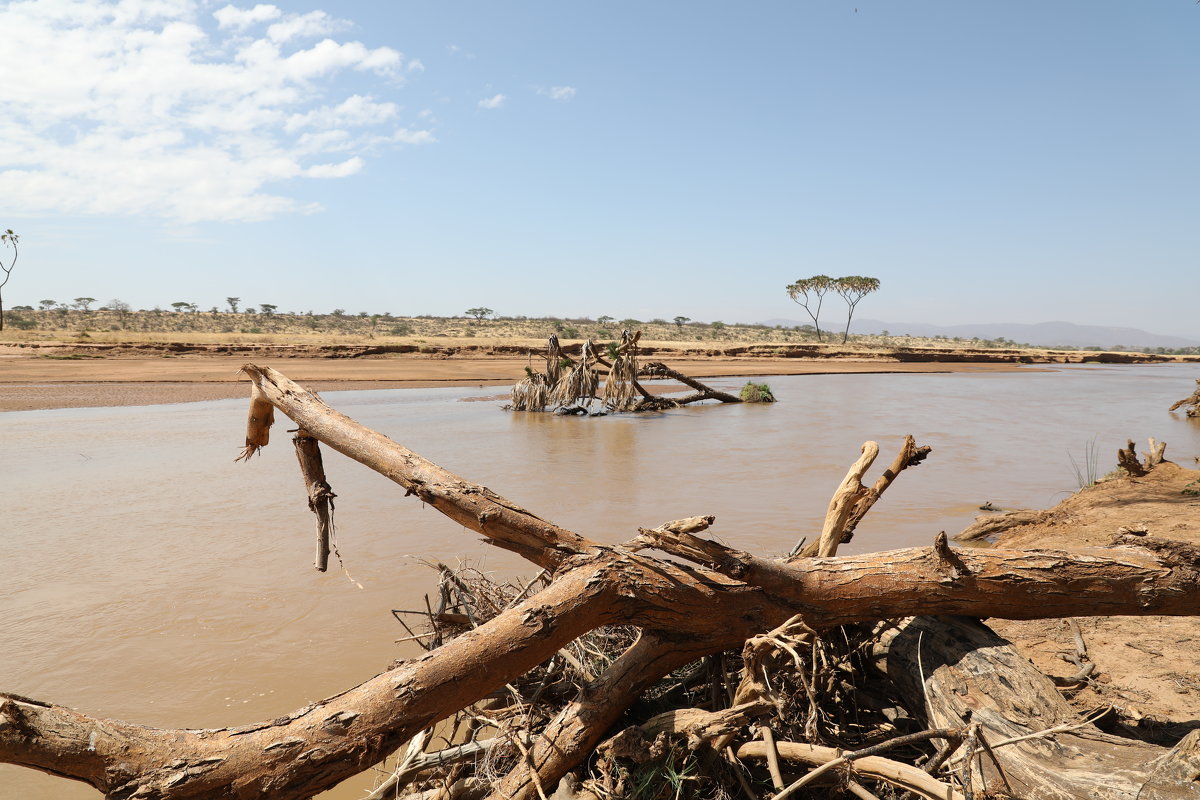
column 531, row 393
column 578, row 385
column 619, row 391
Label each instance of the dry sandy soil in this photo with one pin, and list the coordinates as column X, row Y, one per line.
column 59, row 374
column 67, row 376
column 1147, row 668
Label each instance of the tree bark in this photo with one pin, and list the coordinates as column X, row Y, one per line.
column 962, row 673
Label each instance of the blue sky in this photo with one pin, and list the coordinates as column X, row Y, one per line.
column 990, row 161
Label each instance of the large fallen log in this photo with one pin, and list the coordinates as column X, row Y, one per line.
column 684, row 612
column 1033, row 745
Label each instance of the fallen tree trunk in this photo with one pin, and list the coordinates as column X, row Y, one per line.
column 684, row 612
column 1032, row 744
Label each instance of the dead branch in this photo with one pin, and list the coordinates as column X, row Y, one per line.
column 320, row 495
column 657, row 369
column 852, row 500
column 1192, row 400
column 896, row 773
column 987, row 526
column 1127, row 458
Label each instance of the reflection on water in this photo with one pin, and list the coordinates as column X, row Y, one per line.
column 147, row 577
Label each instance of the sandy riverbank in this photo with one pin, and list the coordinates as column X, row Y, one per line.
column 29, row 381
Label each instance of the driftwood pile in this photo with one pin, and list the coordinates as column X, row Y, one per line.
column 609, row 377
column 1192, row 402
column 673, row 666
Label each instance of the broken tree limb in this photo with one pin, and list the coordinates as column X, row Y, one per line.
column 986, row 526
column 857, row 500
column 504, row 523
column 1192, row 401
column 1127, row 458
column 657, row 369
column 1013, row 584
column 849, row 492
column 883, row 769
column 320, row 495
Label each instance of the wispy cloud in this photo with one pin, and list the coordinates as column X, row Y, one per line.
column 495, row 101
column 241, row 18
column 559, row 93
column 156, row 108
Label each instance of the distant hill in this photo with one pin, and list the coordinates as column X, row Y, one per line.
column 1045, row 334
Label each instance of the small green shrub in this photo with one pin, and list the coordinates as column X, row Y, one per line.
column 756, row 393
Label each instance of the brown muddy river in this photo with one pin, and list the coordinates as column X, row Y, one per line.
column 145, row 576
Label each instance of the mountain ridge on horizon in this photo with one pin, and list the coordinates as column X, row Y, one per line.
column 1045, row 334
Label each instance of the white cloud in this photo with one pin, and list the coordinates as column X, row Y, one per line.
column 141, row 107
column 347, row 167
column 559, row 93
column 406, row 136
column 306, row 26
column 241, row 18
column 495, row 101
column 355, row 110
column 415, row 65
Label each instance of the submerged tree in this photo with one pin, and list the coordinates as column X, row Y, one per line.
column 10, row 239
column 809, row 291
column 854, row 288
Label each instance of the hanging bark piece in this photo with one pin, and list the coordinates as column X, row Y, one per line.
column 320, row 495
column 1192, row 401
column 258, row 423
column 682, row 613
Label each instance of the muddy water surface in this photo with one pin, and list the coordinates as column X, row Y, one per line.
column 145, row 576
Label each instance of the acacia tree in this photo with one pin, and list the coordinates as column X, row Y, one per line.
column 854, row 288
column 480, row 312
column 233, row 304
column 10, row 239
column 809, row 291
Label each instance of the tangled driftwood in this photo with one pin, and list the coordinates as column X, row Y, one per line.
column 611, row 378
column 1192, row 402
column 995, row 728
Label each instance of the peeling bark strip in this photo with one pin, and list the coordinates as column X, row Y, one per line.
column 684, row 612
column 258, row 423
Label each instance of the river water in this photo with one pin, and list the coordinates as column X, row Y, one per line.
column 146, row 576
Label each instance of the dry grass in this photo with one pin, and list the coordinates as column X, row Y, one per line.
column 148, row 327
